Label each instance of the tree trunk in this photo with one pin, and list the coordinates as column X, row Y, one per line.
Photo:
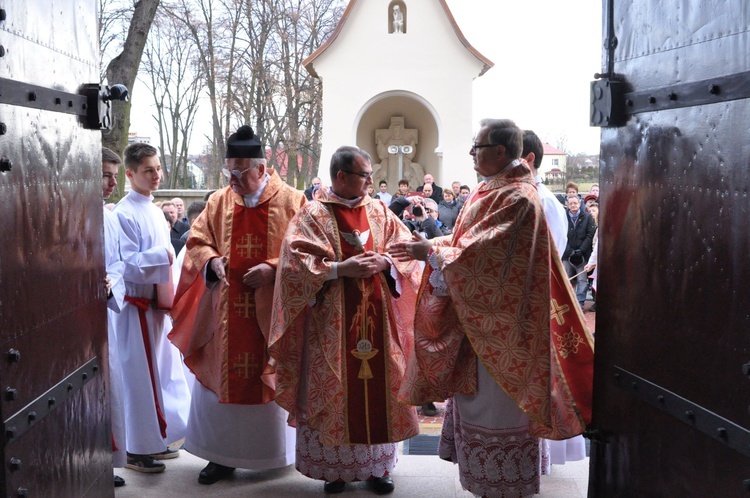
column 123, row 69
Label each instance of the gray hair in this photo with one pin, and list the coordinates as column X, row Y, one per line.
column 505, row 132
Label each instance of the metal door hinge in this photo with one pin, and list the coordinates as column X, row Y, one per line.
column 92, row 104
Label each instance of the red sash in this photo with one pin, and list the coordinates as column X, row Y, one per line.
column 365, row 324
column 247, row 354
column 142, row 303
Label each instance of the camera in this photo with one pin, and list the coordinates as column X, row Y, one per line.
column 417, row 211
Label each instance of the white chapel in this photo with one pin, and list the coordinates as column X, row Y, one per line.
column 397, row 81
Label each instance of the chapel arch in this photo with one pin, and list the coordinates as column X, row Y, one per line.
column 419, row 122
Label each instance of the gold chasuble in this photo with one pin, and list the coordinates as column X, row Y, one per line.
column 357, row 332
column 221, row 330
column 489, row 293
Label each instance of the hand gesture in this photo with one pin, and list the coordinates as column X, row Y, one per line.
column 362, row 265
column 218, row 266
column 259, row 276
column 417, row 248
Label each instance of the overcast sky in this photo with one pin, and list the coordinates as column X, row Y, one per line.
column 545, row 54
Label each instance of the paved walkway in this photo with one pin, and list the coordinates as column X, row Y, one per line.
column 414, row 476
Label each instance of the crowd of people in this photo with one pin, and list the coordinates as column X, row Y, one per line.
column 268, row 326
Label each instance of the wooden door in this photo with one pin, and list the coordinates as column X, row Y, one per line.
column 672, row 392
column 53, row 346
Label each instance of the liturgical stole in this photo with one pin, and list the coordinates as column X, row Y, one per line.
column 247, row 354
column 365, row 324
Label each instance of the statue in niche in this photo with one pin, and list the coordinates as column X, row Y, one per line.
column 397, row 135
column 398, row 20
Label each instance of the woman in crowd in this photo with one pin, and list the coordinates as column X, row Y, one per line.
column 448, row 210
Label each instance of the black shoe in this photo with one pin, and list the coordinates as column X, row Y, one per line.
column 144, row 463
column 119, row 482
column 333, row 488
column 382, row 485
column 214, row 472
column 429, row 409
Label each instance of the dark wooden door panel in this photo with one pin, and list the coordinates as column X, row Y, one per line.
column 674, row 263
column 53, row 351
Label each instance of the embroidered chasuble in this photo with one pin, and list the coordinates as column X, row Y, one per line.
column 487, row 293
column 221, row 330
column 358, row 332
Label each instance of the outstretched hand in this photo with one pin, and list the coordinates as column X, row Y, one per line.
column 417, row 248
column 218, row 266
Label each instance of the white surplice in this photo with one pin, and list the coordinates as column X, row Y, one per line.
column 487, row 435
column 114, row 266
column 144, row 242
column 253, row 437
column 554, row 212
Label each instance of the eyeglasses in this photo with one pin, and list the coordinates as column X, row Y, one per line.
column 474, row 147
column 237, row 174
column 364, row 176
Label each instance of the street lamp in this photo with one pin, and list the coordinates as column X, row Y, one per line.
column 400, row 150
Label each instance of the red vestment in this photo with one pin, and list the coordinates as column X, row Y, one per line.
column 222, row 331
column 496, row 308
column 357, row 332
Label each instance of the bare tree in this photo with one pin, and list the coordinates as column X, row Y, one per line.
column 250, row 53
column 123, row 69
column 170, row 69
column 302, row 26
column 114, row 17
column 213, row 29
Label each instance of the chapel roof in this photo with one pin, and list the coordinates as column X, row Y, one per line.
column 308, row 62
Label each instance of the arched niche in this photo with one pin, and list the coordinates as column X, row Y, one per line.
column 393, row 22
column 418, row 114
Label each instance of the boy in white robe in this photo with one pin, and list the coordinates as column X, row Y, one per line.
column 115, row 300
column 156, row 396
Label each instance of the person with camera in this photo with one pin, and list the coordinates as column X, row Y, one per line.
column 581, row 228
column 418, row 217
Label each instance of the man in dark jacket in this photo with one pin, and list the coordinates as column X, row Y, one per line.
column 437, row 192
column 309, row 190
column 581, row 229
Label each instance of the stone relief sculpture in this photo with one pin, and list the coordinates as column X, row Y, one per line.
column 398, row 20
column 388, row 168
